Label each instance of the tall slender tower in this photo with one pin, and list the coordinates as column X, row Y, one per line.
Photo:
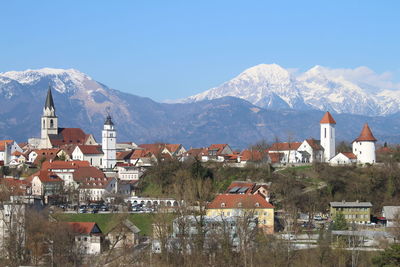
column 49, row 121
column 109, row 138
column 328, row 136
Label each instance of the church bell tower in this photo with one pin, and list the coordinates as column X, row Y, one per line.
column 49, row 121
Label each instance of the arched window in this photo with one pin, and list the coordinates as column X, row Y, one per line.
column 44, row 123
column 51, row 123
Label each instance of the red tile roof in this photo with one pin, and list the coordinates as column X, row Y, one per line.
column 232, row 201
column 75, row 164
column 45, row 177
column 95, row 183
column 83, row 227
column 196, row 152
column 3, row 144
column 140, row 153
column 366, row 135
column 83, row 173
column 327, row 118
column 285, row 146
column 90, row 149
column 68, row 136
column 384, row 150
column 349, row 155
column 124, row 155
column 172, row 147
column 251, row 155
column 48, row 154
column 218, row 147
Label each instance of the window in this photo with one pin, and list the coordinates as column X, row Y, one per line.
column 51, row 123
column 222, row 205
column 325, row 132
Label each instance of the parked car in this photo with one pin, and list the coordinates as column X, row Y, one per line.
column 318, row 218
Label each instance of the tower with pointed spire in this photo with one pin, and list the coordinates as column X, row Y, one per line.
column 109, row 143
column 364, row 146
column 328, row 136
column 49, row 120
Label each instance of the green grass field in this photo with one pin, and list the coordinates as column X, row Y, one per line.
column 107, row 221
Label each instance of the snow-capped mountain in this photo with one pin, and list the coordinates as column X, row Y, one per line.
column 342, row 91
column 82, row 102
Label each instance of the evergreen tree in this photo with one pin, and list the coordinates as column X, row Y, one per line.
column 339, row 222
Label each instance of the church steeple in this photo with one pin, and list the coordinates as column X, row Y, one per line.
column 49, row 100
column 49, row 120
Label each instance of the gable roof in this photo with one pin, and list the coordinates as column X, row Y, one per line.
column 83, row 173
column 285, row 146
column 233, row 201
column 327, row 118
column 349, row 155
column 218, row 147
column 3, row 144
column 366, row 134
column 314, row 144
column 246, row 186
column 45, row 177
column 75, row 164
column 90, row 149
column 84, row 227
column 275, row 157
column 68, row 136
column 95, row 183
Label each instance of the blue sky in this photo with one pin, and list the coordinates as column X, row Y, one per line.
column 173, row 49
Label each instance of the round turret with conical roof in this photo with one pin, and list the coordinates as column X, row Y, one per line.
column 364, row 146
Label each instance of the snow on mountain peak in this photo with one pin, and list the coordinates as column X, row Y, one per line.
column 356, row 91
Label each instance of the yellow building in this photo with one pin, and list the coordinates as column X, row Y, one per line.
column 227, row 205
column 357, row 212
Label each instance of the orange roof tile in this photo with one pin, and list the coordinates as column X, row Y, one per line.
column 45, row 177
column 231, row 201
column 83, row 227
column 275, row 157
column 315, row 144
column 285, row 146
column 75, row 164
column 327, row 118
column 90, row 149
column 366, row 135
column 349, row 155
column 68, row 136
column 251, row 155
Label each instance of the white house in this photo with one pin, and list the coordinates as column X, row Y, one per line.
column 45, row 184
column 392, row 215
column 88, row 237
column 343, row 158
column 93, row 154
column 7, row 148
column 288, row 152
column 314, row 150
column 94, row 189
column 127, row 172
column 364, row 146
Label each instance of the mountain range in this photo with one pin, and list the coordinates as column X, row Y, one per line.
column 320, row 88
column 265, row 102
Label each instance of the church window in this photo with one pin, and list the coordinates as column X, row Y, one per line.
column 44, row 124
column 51, row 123
column 324, row 132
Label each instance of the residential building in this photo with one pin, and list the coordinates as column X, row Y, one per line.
column 392, row 215
column 311, row 150
column 288, row 152
column 96, row 189
column 7, row 148
column 354, row 212
column 46, row 185
column 344, row 158
column 227, row 205
column 124, row 235
column 88, row 237
column 93, row 154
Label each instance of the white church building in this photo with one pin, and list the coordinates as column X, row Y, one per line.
column 84, row 145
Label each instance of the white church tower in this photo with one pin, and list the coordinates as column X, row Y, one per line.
column 328, row 136
column 109, row 138
column 49, row 121
column 364, row 146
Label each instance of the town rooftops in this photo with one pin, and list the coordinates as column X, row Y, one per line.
column 84, row 227
column 75, row 164
column 234, row 201
column 251, row 155
column 3, row 144
column 327, row 118
column 45, row 177
column 354, row 204
column 366, row 135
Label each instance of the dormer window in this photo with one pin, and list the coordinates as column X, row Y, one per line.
column 240, row 204
column 257, row 204
column 222, row 205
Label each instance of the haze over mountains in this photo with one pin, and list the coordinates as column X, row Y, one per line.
column 264, row 102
